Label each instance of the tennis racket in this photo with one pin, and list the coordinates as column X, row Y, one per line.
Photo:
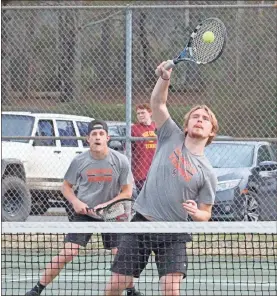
column 197, row 50
column 118, row 211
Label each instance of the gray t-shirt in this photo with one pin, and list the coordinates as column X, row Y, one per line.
column 175, row 176
column 98, row 181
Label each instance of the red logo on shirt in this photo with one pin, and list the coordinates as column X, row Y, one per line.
column 182, row 165
column 99, row 175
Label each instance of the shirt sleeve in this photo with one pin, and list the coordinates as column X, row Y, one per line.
column 207, row 192
column 72, row 174
column 168, row 129
column 126, row 176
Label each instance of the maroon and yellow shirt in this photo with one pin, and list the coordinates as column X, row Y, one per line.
column 142, row 151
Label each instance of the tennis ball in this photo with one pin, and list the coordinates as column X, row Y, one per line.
column 208, row 37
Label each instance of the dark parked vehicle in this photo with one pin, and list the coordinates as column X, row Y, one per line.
column 264, row 181
column 247, row 179
column 117, row 129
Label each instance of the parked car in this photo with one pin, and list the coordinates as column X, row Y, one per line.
column 117, row 129
column 238, row 197
column 40, row 163
column 264, row 180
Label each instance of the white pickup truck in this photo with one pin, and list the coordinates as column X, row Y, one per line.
column 33, row 169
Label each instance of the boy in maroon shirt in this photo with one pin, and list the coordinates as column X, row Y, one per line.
column 143, row 151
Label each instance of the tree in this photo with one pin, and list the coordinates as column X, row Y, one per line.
column 67, row 34
column 4, row 54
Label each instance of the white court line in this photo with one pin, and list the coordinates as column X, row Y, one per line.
column 147, row 279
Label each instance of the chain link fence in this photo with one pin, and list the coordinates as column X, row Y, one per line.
column 67, row 65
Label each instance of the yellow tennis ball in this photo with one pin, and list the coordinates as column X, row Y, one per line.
column 208, row 37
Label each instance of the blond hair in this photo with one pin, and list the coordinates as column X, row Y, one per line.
column 212, row 119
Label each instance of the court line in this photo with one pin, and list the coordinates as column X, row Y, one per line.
column 147, row 279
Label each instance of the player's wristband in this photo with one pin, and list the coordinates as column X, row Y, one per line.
column 165, row 78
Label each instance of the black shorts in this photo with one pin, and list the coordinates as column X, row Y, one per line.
column 134, row 251
column 110, row 240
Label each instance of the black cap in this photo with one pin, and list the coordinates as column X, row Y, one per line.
column 97, row 124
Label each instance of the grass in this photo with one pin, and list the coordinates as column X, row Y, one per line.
column 236, row 117
column 106, row 111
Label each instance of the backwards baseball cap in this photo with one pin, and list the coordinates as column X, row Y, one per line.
column 97, row 124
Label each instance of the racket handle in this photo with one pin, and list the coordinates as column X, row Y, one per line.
column 168, row 65
column 89, row 209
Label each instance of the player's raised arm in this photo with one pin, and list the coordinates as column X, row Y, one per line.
column 159, row 97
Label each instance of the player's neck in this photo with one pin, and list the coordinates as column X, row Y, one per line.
column 100, row 154
column 195, row 146
column 147, row 123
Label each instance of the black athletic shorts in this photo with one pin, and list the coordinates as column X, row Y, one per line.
column 110, row 240
column 134, row 251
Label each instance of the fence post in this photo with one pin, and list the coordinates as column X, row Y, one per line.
column 128, row 32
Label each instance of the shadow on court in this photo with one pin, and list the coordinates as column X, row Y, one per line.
column 87, row 275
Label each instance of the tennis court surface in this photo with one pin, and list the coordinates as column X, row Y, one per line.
column 224, row 258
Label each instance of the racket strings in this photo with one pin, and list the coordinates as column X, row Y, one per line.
column 121, row 211
column 206, row 52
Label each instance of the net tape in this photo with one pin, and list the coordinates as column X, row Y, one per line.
column 137, row 227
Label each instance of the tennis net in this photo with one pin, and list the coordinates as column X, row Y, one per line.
column 224, row 258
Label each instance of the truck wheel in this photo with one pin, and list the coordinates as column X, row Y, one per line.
column 16, row 200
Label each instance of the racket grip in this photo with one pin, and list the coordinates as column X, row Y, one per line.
column 168, row 65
